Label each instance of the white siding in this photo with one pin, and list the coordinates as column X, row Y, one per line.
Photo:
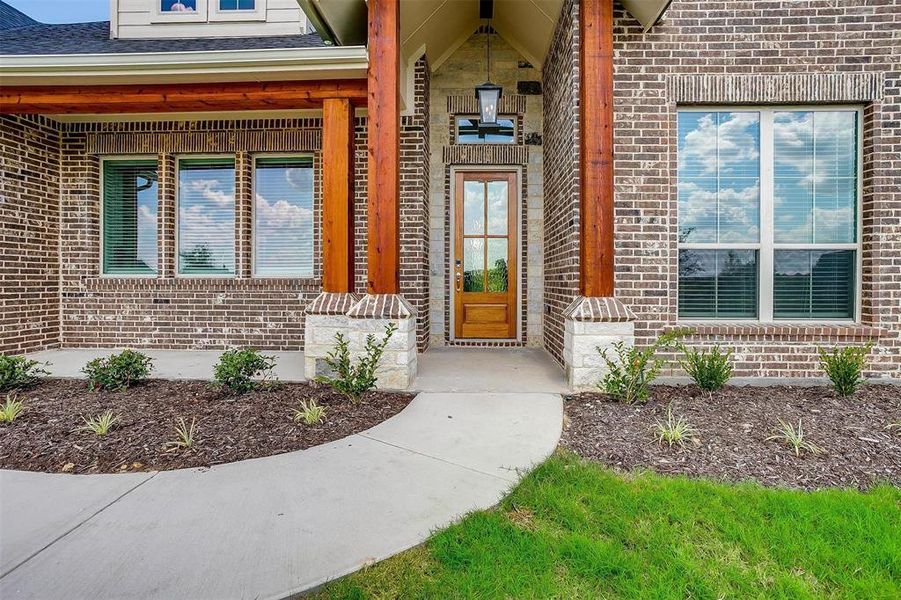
column 139, row 19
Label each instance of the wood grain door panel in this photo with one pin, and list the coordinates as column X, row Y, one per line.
column 485, row 255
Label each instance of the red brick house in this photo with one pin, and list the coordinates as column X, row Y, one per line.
column 211, row 173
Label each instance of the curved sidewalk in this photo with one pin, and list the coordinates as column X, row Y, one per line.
column 270, row 527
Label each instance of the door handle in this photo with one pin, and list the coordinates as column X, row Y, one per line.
column 459, row 280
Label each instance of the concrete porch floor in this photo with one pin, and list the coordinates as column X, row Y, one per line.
column 440, row 369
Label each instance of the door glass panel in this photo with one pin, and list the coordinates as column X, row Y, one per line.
column 473, row 208
column 497, row 265
column 497, row 208
column 474, row 265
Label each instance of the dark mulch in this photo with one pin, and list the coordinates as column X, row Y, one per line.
column 229, row 428
column 733, row 426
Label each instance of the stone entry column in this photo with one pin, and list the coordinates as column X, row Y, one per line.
column 593, row 324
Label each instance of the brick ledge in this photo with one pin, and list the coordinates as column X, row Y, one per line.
column 198, row 283
column 786, row 330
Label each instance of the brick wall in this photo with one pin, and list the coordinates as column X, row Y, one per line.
column 29, row 234
column 751, row 52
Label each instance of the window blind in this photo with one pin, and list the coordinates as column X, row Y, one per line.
column 283, row 217
column 206, row 217
column 718, row 284
column 814, row 284
column 130, row 196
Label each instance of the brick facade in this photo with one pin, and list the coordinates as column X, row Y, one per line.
column 29, row 234
column 739, row 52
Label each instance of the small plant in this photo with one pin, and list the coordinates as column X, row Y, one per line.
column 844, row 367
column 310, row 412
column 17, row 372
column 11, row 409
column 794, row 438
column 675, row 430
column 101, row 424
column 710, row 370
column 629, row 377
column 184, row 434
column 118, row 371
column 353, row 380
column 241, row 371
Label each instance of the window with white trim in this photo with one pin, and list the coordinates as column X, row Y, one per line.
column 768, row 214
column 206, row 217
column 283, row 217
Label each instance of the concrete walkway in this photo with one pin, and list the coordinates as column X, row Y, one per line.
column 270, row 527
column 489, row 370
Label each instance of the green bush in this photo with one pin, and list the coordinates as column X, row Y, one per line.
column 119, row 371
column 354, row 380
column 629, row 376
column 18, row 372
column 711, row 369
column 241, row 371
column 844, row 367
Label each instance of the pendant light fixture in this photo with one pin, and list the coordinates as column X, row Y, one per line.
column 488, row 94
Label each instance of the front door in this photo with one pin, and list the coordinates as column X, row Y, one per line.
column 485, row 248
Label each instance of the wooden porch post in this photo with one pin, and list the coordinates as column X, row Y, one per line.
column 596, row 147
column 384, row 147
column 337, row 195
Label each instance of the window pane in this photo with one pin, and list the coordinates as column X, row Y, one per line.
column 473, row 208
column 497, row 207
column 815, row 156
column 206, row 217
column 129, row 217
column 236, row 4
column 718, row 284
column 178, row 5
column 474, row 264
column 719, row 177
column 470, row 132
column 497, row 264
column 813, row 284
column 283, row 217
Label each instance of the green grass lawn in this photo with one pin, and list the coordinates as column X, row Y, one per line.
column 573, row 529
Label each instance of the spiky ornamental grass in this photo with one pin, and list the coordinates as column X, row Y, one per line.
column 11, row 409
column 310, row 412
column 100, row 424
column 794, row 438
column 674, row 430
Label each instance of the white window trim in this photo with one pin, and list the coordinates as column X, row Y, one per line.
column 160, row 16
column 100, row 266
column 253, row 215
column 512, row 117
column 177, row 183
column 767, row 246
column 258, row 13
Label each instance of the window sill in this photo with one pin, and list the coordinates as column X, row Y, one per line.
column 792, row 330
column 200, row 283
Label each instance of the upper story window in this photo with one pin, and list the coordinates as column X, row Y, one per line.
column 194, row 11
column 237, row 4
column 769, row 214
column 283, row 217
column 178, row 6
column 130, row 194
column 469, row 131
column 206, row 217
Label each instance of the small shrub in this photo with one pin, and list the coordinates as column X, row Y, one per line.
column 310, row 412
column 11, row 409
column 119, row 371
column 184, row 434
column 17, row 372
column 674, row 430
column 794, row 438
column 241, row 371
column 844, row 367
column 710, row 370
column 354, row 380
column 101, row 424
column 629, row 377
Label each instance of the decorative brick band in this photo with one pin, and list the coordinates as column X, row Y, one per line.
column 295, row 140
column 509, row 104
column 382, row 306
column 788, row 88
column 813, row 331
column 187, row 284
column 328, row 303
column 477, row 154
column 598, row 310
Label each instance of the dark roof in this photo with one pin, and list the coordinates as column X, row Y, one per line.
column 10, row 18
column 93, row 38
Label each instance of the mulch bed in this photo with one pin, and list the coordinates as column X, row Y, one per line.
column 733, row 426
column 229, row 428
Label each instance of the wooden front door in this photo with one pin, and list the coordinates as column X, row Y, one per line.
column 485, row 249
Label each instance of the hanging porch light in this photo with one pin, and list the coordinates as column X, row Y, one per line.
column 488, row 94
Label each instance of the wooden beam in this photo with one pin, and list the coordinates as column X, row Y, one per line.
column 338, row 195
column 596, row 147
column 384, row 147
column 180, row 97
